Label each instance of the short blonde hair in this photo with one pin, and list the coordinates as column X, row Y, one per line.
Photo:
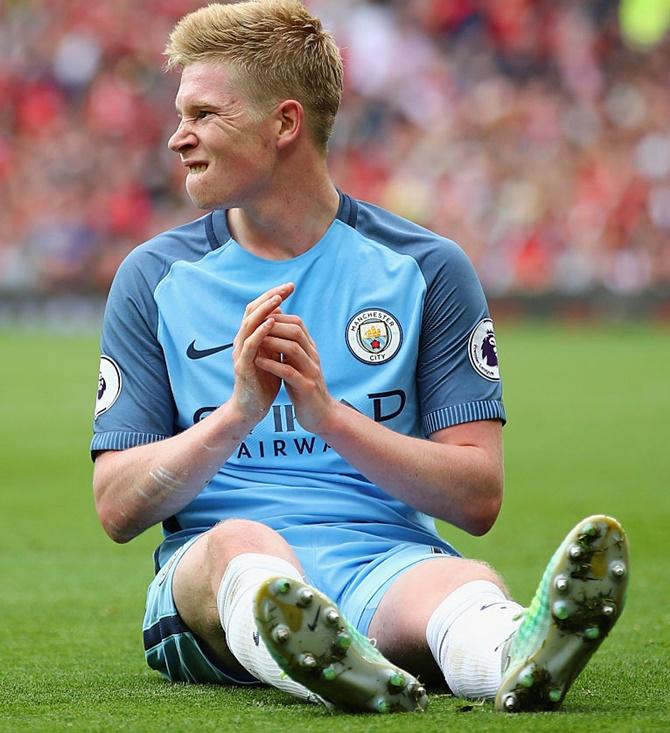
column 277, row 50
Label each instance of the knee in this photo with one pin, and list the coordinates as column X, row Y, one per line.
column 467, row 571
column 234, row 537
column 478, row 570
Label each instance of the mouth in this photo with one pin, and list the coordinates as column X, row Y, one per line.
column 197, row 168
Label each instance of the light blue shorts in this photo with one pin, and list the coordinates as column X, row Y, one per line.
column 350, row 566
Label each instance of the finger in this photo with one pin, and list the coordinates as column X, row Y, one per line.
column 288, row 318
column 291, row 318
column 287, row 334
column 283, row 291
column 251, row 345
column 253, row 319
column 267, row 303
column 291, row 332
column 293, row 352
column 279, row 369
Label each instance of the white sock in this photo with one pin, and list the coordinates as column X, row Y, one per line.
column 467, row 633
column 234, row 602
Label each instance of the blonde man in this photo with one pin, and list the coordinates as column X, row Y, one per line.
column 295, row 385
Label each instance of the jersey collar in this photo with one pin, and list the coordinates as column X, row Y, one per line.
column 218, row 234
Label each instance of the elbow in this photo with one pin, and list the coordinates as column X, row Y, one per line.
column 485, row 512
column 115, row 528
column 114, row 522
column 118, row 534
column 482, row 522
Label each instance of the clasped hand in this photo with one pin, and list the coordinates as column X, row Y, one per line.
column 271, row 347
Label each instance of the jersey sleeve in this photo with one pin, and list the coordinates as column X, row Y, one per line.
column 134, row 403
column 457, row 370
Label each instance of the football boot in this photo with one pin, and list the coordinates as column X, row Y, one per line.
column 315, row 645
column 579, row 599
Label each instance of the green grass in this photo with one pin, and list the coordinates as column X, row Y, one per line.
column 588, row 432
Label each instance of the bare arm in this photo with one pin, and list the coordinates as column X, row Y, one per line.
column 457, row 475
column 136, row 488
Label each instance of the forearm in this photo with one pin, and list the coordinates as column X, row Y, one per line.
column 136, row 488
column 459, row 483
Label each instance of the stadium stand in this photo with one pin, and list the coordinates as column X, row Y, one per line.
column 528, row 131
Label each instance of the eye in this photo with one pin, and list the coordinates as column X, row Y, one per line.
column 201, row 114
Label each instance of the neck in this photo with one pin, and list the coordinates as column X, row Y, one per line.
column 289, row 221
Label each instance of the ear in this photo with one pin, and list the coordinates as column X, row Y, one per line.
column 290, row 118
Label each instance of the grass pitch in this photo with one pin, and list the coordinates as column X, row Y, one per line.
column 588, row 433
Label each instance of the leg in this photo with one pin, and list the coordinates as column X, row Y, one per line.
column 401, row 636
column 483, row 646
column 214, row 587
column 222, row 588
column 171, row 648
column 198, row 576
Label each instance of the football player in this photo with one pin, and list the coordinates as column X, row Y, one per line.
column 295, row 386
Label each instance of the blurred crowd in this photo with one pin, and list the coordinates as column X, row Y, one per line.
column 528, row 131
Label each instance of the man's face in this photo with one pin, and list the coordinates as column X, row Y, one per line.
column 228, row 152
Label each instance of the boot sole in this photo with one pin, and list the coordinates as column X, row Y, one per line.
column 307, row 636
column 585, row 592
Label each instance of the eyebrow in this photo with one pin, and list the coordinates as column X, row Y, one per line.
column 192, row 106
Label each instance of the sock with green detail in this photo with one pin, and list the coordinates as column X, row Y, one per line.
column 467, row 634
column 235, row 603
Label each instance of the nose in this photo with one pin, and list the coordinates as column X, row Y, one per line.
column 182, row 138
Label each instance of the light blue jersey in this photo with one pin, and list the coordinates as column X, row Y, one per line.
column 403, row 333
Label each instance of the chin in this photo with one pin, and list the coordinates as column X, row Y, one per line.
column 204, row 202
column 200, row 201
column 203, row 205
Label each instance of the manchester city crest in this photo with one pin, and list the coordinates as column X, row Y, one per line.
column 374, row 336
column 483, row 351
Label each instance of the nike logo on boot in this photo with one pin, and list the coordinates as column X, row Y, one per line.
column 312, row 626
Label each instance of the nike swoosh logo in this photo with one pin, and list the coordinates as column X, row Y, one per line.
column 194, row 353
column 312, row 626
column 502, row 605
